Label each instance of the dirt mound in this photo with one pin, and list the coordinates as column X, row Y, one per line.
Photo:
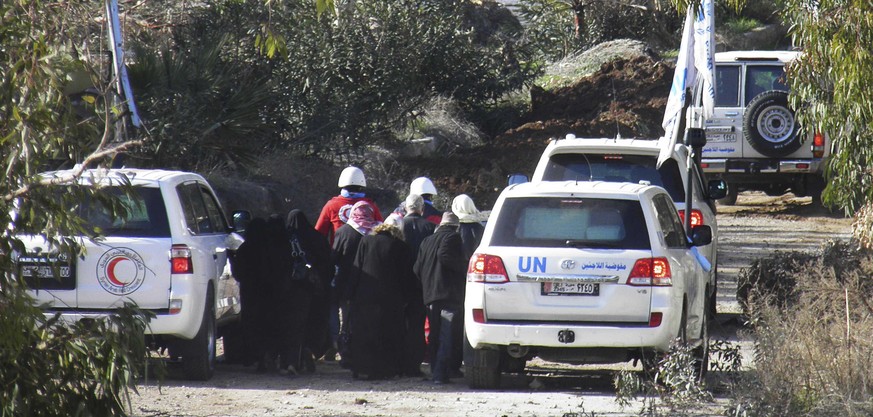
column 625, row 97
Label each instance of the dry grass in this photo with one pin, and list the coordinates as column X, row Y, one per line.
column 813, row 340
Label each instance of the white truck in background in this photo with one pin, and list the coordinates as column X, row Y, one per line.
column 754, row 141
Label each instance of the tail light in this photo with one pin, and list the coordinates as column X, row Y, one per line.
column 651, row 271
column 486, row 268
column 180, row 260
column 696, row 217
column 818, row 145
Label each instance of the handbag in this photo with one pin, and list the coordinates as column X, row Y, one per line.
column 302, row 270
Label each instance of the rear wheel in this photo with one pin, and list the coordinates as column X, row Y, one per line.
column 483, row 368
column 198, row 354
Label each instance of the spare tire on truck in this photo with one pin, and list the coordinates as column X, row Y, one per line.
column 769, row 125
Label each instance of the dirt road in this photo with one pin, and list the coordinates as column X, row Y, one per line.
column 756, row 226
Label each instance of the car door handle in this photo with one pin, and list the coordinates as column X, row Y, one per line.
column 214, row 256
column 732, row 114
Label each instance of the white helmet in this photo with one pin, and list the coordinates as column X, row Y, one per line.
column 422, row 186
column 352, row 176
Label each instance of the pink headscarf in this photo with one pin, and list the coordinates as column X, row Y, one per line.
column 361, row 218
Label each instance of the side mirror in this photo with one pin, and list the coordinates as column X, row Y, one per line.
column 695, row 137
column 717, row 189
column 701, row 235
column 513, row 179
column 241, row 219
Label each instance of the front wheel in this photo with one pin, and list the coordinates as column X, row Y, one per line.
column 482, row 370
column 198, row 354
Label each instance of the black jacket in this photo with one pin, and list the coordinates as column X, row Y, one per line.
column 471, row 235
column 441, row 267
column 345, row 248
column 415, row 229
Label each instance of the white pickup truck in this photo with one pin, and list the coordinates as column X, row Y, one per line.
column 753, row 139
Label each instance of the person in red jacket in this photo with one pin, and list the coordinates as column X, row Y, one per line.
column 335, row 212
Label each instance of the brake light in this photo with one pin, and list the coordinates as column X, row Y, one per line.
column 180, row 260
column 479, row 315
column 704, row 164
column 696, row 217
column 651, row 271
column 486, row 268
column 818, row 144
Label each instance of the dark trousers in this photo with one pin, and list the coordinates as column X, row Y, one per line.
column 414, row 340
column 443, row 317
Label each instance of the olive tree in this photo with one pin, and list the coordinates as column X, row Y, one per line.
column 831, row 88
column 47, row 368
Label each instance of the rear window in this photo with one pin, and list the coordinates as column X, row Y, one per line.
column 573, row 222
column 616, row 168
column 146, row 215
column 727, row 85
column 761, row 78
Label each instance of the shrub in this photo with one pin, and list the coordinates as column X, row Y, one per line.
column 813, row 343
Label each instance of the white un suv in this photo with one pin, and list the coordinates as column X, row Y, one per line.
column 753, row 140
column 582, row 272
column 169, row 256
column 635, row 160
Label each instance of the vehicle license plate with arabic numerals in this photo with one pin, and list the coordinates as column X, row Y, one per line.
column 570, row 288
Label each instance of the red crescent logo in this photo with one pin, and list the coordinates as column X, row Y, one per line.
column 110, row 271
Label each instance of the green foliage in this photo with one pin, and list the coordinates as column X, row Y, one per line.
column 561, row 28
column 211, row 111
column 831, row 88
column 672, row 383
column 741, row 24
column 53, row 369
column 251, row 75
column 48, row 369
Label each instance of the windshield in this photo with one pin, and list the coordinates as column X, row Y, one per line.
column 573, row 222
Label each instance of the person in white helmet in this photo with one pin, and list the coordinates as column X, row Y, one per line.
column 424, row 187
column 335, row 212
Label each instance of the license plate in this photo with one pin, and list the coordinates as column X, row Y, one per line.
column 570, row 288
column 721, row 137
column 33, row 271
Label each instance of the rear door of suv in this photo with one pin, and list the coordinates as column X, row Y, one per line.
column 568, row 259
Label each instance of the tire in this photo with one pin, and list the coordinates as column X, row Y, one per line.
column 770, row 126
column 701, row 353
column 483, row 369
column 510, row 364
column 198, row 354
column 731, row 197
column 712, row 301
column 234, row 343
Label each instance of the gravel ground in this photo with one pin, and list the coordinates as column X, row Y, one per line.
column 754, row 227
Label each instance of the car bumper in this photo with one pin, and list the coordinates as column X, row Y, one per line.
column 553, row 335
column 761, row 166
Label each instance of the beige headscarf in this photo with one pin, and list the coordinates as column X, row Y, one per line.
column 466, row 210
